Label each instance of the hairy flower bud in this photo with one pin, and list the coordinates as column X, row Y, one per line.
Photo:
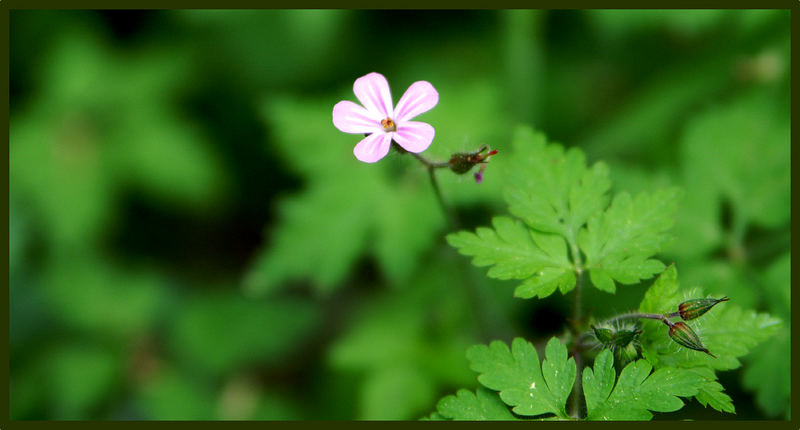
column 463, row 162
column 603, row 335
column 624, row 337
column 685, row 336
column 694, row 308
column 621, row 340
column 629, row 353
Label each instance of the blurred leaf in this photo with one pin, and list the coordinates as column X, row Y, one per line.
column 721, row 278
column 88, row 293
column 768, row 372
column 483, row 405
column 395, row 393
column 636, row 391
column 390, row 202
column 522, row 45
column 58, row 163
column 79, row 377
column 356, row 201
column 172, row 395
column 100, row 120
column 628, row 23
column 274, row 407
column 235, row 35
column 777, row 286
column 420, row 331
column 218, row 332
column 752, row 173
column 19, row 236
column 529, row 387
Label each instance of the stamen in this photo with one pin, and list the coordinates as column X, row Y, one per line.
column 388, row 125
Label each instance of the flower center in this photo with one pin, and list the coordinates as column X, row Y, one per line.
column 388, row 125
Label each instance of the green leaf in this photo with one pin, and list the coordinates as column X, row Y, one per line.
column 728, row 331
column 519, row 253
column 637, row 391
column 552, row 190
column 711, row 392
column 619, row 242
column 482, row 405
column 530, row 387
column 562, row 203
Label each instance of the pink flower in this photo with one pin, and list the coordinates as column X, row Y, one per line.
column 380, row 122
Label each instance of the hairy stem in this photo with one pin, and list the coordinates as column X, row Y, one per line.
column 428, row 163
column 432, row 166
column 447, row 210
column 637, row 315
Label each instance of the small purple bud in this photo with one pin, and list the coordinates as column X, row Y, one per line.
column 479, row 176
column 685, row 336
column 692, row 309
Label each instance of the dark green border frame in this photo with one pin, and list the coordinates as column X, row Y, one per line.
column 7, row 5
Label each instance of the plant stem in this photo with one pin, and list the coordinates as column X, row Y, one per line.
column 637, row 315
column 432, row 166
column 577, row 387
column 577, row 314
column 428, row 163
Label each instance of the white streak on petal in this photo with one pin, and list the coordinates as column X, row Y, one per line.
column 414, row 136
column 373, row 92
column 352, row 118
column 373, row 147
column 419, row 98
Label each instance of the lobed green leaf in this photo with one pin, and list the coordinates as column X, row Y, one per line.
column 637, row 391
column 515, row 252
column 482, row 405
column 619, row 242
column 530, row 387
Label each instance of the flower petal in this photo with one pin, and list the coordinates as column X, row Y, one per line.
column 352, row 118
column 373, row 147
column 420, row 97
column 373, row 92
column 414, row 136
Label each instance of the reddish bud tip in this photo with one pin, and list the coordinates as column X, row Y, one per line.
column 494, row 151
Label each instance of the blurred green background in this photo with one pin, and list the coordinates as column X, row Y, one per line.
column 191, row 238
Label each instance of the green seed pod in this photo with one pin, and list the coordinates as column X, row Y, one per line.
column 692, row 309
column 685, row 336
column 603, row 335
